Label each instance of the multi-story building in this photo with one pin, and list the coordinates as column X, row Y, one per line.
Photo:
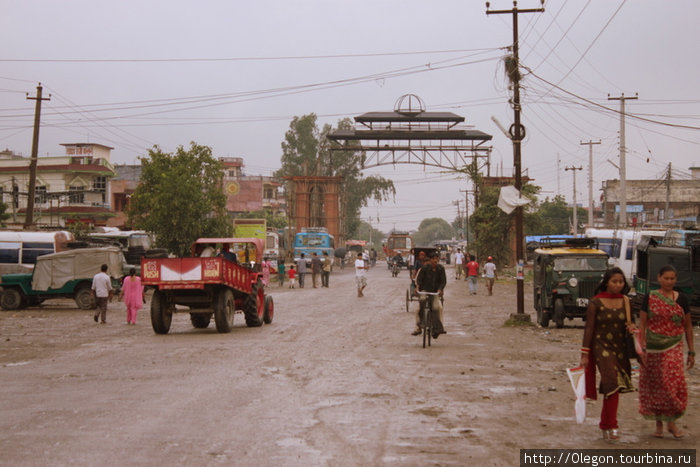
column 69, row 188
column 654, row 201
column 246, row 193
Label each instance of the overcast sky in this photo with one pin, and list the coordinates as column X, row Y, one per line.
column 232, row 74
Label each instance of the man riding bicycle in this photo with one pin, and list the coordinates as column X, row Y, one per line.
column 431, row 278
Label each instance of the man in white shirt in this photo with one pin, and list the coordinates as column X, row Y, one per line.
column 360, row 274
column 459, row 263
column 102, row 289
column 490, row 273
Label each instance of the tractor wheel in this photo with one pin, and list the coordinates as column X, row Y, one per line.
column 200, row 320
column 254, row 306
column 224, row 307
column 559, row 313
column 269, row 310
column 161, row 314
column 11, row 299
column 84, row 298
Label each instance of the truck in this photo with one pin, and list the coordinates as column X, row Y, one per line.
column 313, row 240
column 652, row 255
column 67, row 274
column 207, row 287
column 398, row 243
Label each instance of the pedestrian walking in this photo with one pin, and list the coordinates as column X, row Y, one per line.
column 315, row 268
column 459, row 263
column 301, row 270
column 132, row 294
column 326, row 272
column 604, row 347
column 281, row 270
column 664, row 319
column 472, row 274
column 103, row 292
column 292, row 276
column 360, row 274
column 266, row 267
column 490, row 273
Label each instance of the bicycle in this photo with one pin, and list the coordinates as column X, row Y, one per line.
column 426, row 313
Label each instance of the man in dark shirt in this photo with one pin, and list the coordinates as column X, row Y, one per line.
column 315, row 268
column 431, row 278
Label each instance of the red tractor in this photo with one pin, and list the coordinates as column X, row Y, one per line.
column 209, row 283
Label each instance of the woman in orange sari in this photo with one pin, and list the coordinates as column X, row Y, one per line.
column 665, row 317
column 604, row 347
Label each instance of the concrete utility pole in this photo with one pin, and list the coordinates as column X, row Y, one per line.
column 517, row 132
column 668, row 194
column 575, row 207
column 590, row 179
column 29, row 217
column 466, row 215
column 623, row 150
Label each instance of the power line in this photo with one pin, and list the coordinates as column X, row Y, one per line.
column 238, row 59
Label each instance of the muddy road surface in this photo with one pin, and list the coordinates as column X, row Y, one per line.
column 335, row 380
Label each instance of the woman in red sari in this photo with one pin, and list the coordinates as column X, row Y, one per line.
column 604, row 347
column 663, row 393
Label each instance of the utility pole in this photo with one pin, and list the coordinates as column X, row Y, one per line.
column 590, row 179
column 623, row 150
column 466, row 215
column 668, row 194
column 29, row 217
column 517, row 133
column 575, row 206
column 558, row 175
column 459, row 214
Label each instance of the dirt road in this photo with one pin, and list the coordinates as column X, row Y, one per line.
column 334, row 380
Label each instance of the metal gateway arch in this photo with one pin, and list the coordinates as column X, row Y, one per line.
column 410, row 135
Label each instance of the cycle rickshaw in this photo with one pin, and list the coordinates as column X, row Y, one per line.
column 415, row 253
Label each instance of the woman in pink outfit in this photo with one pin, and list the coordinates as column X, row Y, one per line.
column 266, row 266
column 132, row 292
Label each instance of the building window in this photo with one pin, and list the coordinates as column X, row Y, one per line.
column 77, row 195
column 99, row 184
column 269, row 193
column 40, row 196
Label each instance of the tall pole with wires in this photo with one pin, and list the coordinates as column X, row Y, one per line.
column 517, row 134
column 623, row 150
column 590, row 144
column 29, row 218
column 575, row 229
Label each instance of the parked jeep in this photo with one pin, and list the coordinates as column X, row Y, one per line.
column 565, row 276
column 67, row 274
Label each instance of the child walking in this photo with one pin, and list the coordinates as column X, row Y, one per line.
column 292, row 276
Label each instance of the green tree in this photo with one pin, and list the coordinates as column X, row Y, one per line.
column 306, row 150
column 493, row 228
column 180, row 198
column 4, row 215
column 553, row 217
column 431, row 230
column 368, row 233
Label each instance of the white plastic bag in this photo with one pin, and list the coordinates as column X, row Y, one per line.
column 577, row 376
